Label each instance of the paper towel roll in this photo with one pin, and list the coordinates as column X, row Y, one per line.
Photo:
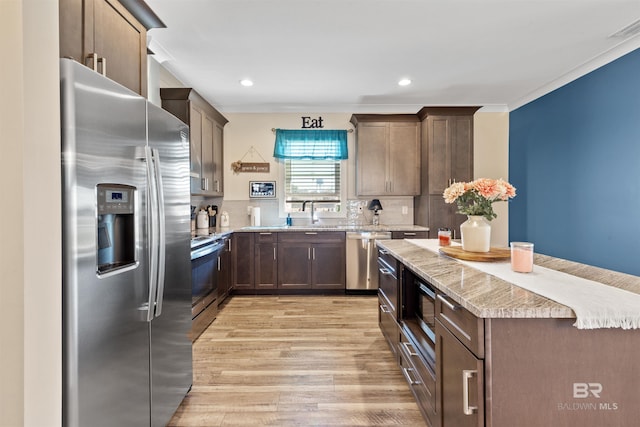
column 255, row 216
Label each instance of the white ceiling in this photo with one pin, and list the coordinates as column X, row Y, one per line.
column 348, row 55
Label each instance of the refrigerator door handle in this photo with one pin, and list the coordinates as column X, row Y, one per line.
column 152, row 216
column 161, row 231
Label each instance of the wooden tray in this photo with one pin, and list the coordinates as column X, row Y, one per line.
column 494, row 254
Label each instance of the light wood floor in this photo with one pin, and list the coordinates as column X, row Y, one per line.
column 296, row 361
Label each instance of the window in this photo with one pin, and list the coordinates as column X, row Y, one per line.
column 312, row 168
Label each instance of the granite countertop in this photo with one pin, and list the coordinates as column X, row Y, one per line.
column 200, row 237
column 487, row 296
column 333, row 227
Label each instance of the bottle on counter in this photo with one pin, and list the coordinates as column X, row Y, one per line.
column 289, row 220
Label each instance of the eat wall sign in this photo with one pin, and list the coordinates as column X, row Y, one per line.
column 309, row 123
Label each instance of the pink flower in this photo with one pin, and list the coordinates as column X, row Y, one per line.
column 487, row 188
column 454, row 191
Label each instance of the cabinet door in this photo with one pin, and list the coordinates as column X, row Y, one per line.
column 207, row 154
column 404, row 159
column 195, row 148
column 294, row 268
column 243, row 258
column 218, row 142
column 224, row 272
column 328, row 269
column 122, row 41
column 106, row 28
column 371, row 160
column 460, row 376
column 266, row 265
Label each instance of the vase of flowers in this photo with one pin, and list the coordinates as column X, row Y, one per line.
column 475, row 199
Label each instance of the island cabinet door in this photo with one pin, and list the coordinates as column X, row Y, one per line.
column 460, row 382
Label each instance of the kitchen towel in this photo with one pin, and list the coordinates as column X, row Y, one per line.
column 595, row 304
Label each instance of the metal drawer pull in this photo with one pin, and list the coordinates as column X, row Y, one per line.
column 412, row 351
column 384, row 309
column 467, row 374
column 447, row 303
column 311, row 233
column 385, row 271
column 409, row 234
column 411, row 381
column 265, row 233
column 274, row 253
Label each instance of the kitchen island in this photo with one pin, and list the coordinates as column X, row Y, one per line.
column 503, row 356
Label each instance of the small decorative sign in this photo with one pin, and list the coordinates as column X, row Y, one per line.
column 254, row 167
column 309, row 123
column 240, row 166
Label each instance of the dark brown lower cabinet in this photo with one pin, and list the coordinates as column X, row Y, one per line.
column 311, row 260
column 266, row 261
column 460, row 382
column 224, row 270
column 242, row 245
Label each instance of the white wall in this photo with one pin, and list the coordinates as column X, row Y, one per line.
column 491, row 160
column 30, row 222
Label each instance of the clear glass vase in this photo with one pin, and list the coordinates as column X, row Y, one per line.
column 476, row 234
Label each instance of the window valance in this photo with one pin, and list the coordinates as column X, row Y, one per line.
column 312, row 144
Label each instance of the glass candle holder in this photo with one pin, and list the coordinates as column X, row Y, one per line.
column 522, row 257
column 444, row 236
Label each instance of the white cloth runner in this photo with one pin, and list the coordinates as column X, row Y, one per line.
column 596, row 305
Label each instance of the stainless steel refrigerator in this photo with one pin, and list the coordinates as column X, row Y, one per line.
column 126, row 255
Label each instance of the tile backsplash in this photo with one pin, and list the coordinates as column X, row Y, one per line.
column 395, row 211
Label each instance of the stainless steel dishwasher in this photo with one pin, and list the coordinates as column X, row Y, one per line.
column 362, row 265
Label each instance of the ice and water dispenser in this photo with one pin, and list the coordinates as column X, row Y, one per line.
column 116, row 227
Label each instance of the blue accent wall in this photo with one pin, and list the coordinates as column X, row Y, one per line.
column 574, row 157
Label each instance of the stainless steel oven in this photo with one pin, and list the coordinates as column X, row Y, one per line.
column 419, row 314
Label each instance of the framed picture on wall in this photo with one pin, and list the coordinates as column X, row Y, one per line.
column 262, row 189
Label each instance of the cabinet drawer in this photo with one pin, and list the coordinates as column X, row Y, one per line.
column 388, row 325
column 409, row 234
column 266, row 237
column 311, row 236
column 424, row 397
column 468, row 328
column 424, row 370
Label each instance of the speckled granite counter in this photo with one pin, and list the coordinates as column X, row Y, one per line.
column 490, row 297
column 329, row 227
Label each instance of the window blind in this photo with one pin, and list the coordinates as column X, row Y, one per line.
column 312, row 179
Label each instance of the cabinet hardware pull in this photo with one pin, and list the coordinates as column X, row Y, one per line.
column 411, row 381
column 383, row 252
column 447, row 303
column 409, row 234
column 274, row 253
column 384, row 309
column 313, row 251
column 103, row 62
column 94, row 58
column 265, row 233
column 311, row 233
column 229, row 244
column 218, row 263
column 308, row 253
column 384, row 271
column 411, row 351
column 467, row 374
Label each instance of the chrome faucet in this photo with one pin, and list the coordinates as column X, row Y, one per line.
column 304, row 204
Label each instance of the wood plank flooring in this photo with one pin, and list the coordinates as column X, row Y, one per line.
column 296, row 361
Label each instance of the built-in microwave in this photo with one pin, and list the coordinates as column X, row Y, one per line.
column 419, row 314
column 425, row 310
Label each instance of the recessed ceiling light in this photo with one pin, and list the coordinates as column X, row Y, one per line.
column 246, row 82
column 404, row 82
